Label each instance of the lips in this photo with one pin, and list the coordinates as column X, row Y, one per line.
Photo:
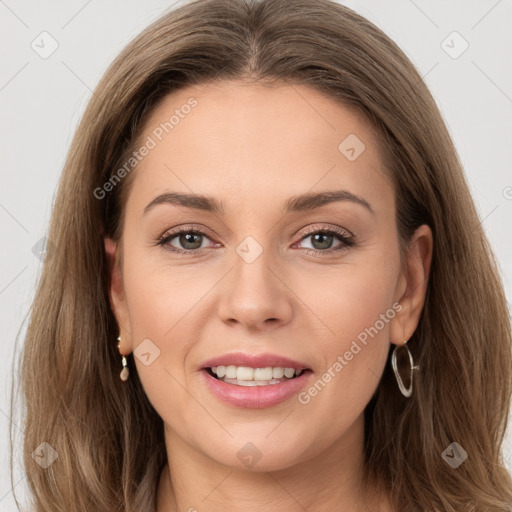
column 246, row 393
column 254, row 361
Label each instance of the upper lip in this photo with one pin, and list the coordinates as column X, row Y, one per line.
column 254, row 361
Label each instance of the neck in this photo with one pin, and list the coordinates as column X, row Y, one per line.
column 193, row 482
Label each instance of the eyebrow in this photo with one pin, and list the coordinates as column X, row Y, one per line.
column 303, row 202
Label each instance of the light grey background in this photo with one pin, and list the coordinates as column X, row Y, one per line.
column 42, row 100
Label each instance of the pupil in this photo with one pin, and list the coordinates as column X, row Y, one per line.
column 325, row 236
column 185, row 238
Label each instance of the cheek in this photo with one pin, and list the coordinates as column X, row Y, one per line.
column 357, row 304
column 158, row 304
column 161, row 296
column 349, row 299
column 356, row 307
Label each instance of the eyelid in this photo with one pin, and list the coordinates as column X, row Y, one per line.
column 327, row 227
column 186, row 228
column 169, row 234
column 308, row 230
column 346, row 238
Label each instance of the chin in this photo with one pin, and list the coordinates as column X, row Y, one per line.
column 257, row 453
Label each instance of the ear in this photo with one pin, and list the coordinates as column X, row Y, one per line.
column 412, row 285
column 117, row 296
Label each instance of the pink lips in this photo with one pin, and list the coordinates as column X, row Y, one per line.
column 255, row 397
column 254, row 361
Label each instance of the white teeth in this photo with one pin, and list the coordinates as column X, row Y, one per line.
column 289, row 372
column 251, row 382
column 277, row 373
column 231, row 372
column 254, row 376
column 263, row 373
column 244, row 373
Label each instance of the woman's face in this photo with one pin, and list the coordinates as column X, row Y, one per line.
column 269, row 272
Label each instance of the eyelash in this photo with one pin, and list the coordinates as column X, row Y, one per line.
column 347, row 241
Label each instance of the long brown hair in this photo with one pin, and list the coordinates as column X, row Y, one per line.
column 108, row 437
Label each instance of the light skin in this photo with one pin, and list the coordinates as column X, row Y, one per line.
column 252, row 147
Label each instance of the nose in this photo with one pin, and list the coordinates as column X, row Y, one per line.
column 255, row 295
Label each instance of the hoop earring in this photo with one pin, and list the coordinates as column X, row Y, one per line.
column 125, row 372
column 407, row 392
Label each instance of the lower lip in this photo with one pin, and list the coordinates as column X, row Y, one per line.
column 256, row 397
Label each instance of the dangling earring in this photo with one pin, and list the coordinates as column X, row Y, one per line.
column 407, row 392
column 125, row 372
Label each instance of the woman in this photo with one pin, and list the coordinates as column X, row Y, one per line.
column 271, row 289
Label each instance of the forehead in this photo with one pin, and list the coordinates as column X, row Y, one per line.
column 253, row 143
